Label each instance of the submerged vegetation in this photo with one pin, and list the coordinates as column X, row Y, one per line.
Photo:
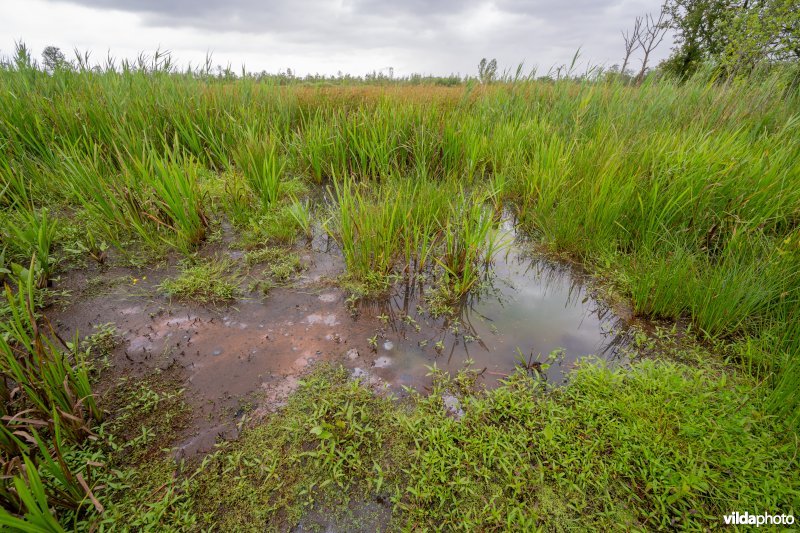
column 683, row 198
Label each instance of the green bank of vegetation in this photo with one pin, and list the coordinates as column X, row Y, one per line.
column 681, row 196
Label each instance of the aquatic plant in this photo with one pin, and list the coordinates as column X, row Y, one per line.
column 470, row 242
column 260, row 162
column 34, row 234
column 49, row 381
column 169, row 196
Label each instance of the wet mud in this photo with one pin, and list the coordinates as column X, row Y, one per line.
column 247, row 357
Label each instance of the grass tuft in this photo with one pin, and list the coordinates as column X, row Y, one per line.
column 210, row 282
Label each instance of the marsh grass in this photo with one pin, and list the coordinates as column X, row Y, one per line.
column 48, row 409
column 49, row 380
column 408, row 226
column 155, row 197
column 301, row 213
column 683, row 196
column 176, row 203
column 33, row 234
column 214, row 281
column 263, row 167
column 470, row 242
column 592, row 185
column 368, row 231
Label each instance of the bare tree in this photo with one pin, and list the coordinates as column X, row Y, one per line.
column 649, row 39
column 631, row 43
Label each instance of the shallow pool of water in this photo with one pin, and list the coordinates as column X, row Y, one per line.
column 528, row 309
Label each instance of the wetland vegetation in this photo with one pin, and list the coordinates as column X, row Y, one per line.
column 144, row 202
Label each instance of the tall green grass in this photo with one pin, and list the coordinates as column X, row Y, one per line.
column 47, row 408
column 405, row 227
column 155, row 196
column 470, row 241
column 686, row 195
column 49, row 381
column 262, row 165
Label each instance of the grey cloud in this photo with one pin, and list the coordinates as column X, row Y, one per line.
column 286, row 16
column 446, row 35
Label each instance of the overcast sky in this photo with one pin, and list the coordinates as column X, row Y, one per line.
column 315, row 36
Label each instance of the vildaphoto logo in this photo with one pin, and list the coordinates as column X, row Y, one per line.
column 758, row 520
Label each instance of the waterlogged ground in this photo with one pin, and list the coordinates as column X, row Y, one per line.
column 247, row 357
column 701, row 424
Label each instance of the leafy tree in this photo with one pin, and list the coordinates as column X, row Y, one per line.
column 764, row 31
column 736, row 34
column 53, row 58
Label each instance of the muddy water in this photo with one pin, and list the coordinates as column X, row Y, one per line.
column 252, row 352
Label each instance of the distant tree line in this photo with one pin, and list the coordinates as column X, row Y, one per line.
column 161, row 62
column 54, row 59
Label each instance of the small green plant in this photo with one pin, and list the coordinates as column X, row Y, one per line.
column 213, row 282
column 282, row 264
column 91, row 246
column 441, row 301
column 101, row 343
column 36, row 233
column 534, row 364
column 31, row 492
column 148, row 413
column 301, row 213
column 261, row 286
